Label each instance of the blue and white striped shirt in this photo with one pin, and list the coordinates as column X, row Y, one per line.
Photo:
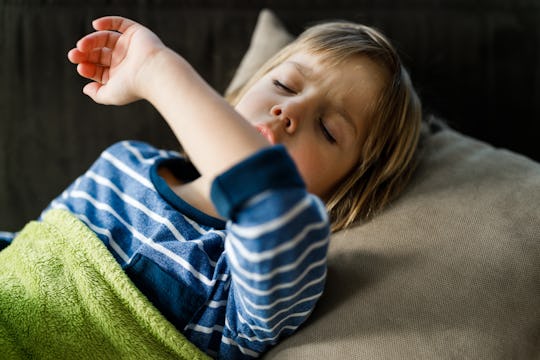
column 233, row 288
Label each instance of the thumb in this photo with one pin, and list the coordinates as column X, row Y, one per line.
column 92, row 90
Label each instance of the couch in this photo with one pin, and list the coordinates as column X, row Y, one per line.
column 451, row 270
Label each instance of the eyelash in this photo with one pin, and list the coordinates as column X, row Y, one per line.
column 282, row 86
column 324, row 130
column 326, row 133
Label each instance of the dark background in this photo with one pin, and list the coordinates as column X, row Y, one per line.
column 475, row 63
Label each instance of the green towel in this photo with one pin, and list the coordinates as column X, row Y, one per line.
column 63, row 296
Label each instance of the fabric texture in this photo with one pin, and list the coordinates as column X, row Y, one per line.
column 63, row 296
column 474, row 62
column 450, row 271
column 233, row 289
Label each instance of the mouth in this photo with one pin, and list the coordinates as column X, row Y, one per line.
column 267, row 133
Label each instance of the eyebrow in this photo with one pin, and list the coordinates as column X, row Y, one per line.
column 306, row 72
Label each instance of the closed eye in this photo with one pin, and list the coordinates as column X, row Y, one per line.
column 327, row 134
column 278, row 84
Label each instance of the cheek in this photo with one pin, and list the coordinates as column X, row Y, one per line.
column 252, row 105
column 320, row 170
column 314, row 169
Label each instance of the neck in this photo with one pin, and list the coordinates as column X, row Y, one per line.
column 196, row 193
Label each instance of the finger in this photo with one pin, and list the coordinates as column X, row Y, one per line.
column 113, row 23
column 94, row 72
column 96, row 92
column 92, row 89
column 100, row 57
column 75, row 56
column 100, row 94
column 98, row 39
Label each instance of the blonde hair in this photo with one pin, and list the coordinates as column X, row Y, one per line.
column 387, row 157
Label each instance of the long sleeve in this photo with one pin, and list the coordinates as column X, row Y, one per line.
column 276, row 248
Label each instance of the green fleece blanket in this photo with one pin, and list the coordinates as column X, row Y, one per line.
column 63, row 296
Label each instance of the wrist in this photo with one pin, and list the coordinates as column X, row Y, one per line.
column 155, row 76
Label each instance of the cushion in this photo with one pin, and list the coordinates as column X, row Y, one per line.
column 450, row 270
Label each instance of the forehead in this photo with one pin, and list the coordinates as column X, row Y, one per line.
column 355, row 81
column 357, row 69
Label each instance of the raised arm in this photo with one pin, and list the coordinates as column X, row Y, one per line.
column 127, row 62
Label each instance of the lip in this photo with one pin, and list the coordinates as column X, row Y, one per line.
column 267, row 133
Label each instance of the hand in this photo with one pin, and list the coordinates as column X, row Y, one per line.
column 127, row 62
column 114, row 58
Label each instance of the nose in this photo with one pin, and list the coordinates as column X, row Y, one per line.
column 286, row 116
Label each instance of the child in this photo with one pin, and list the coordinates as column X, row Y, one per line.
column 231, row 246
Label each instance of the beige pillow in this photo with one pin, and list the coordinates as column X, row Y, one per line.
column 450, row 271
column 269, row 36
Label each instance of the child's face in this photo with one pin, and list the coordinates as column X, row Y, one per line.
column 318, row 112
